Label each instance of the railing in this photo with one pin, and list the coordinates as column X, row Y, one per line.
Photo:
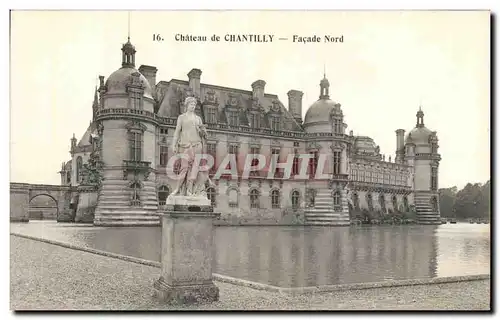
column 136, row 164
column 340, row 177
column 220, row 126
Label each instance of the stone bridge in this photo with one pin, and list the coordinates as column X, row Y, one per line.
column 21, row 195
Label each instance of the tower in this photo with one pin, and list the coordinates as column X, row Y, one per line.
column 422, row 153
column 128, row 131
column 329, row 156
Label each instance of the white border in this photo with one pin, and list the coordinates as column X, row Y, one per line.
column 190, row 5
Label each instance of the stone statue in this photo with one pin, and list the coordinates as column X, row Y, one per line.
column 189, row 139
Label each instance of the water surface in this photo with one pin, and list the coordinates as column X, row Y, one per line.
column 305, row 256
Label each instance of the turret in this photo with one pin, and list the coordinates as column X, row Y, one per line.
column 73, row 145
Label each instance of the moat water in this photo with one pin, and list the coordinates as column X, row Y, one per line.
column 305, row 256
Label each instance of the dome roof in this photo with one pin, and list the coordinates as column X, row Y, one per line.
column 117, row 82
column 319, row 112
column 419, row 135
column 365, row 144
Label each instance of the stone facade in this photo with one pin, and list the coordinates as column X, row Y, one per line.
column 134, row 117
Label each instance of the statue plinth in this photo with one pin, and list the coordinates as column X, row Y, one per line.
column 188, row 203
column 186, row 252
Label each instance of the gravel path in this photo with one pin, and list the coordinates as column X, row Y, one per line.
column 49, row 277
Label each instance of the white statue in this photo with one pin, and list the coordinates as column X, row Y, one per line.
column 189, row 139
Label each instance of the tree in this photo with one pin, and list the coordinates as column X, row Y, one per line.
column 447, row 198
column 469, row 201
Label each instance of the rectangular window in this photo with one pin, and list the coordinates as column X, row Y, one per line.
column 434, row 179
column 212, row 115
column 135, row 146
column 336, row 162
column 163, row 156
column 337, row 126
column 255, row 162
column 233, row 118
column 136, row 100
column 275, row 123
column 295, row 165
column 233, row 149
column 275, row 152
column 212, row 151
column 313, row 163
column 254, row 120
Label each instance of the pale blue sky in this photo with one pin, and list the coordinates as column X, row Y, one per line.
column 388, row 64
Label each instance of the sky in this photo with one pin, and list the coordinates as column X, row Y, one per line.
column 388, row 65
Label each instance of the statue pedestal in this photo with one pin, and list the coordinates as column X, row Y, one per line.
column 87, row 202
column 186, row 254
column 188, row 203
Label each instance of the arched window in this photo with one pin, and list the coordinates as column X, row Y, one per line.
column 163, row 194
column 211, row 196
column 254, row 198
column 68, row 177
column 136, row 199
column 295, row 199
column 355, row 200
column 405, row 204
column 233, row 197
column 395, row 203
column 369, row 200
column 275, row 199
column 381, row 200
column 337, row 203
column 79, row 165
column 434, row 204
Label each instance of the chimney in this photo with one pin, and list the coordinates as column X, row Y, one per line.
column 149, row 72
column 295, row 104
column 258, row 89
column 101, row 82
column 194, row 82
column 400, row 145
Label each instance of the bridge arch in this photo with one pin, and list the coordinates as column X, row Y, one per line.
column 22, row 194
column 33, row 214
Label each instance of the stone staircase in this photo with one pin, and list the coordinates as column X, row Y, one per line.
column 114, row 205
column 323, row 214
column 425, row 212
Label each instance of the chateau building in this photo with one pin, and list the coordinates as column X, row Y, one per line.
column 134, row 118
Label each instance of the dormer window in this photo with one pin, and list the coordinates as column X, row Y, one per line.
column 337, row 126
column 254, row 120
column 233, row 119
column 135, row 100
column 275, row 124
column 211, row 114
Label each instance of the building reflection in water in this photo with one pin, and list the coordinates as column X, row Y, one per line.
column 310, row 256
